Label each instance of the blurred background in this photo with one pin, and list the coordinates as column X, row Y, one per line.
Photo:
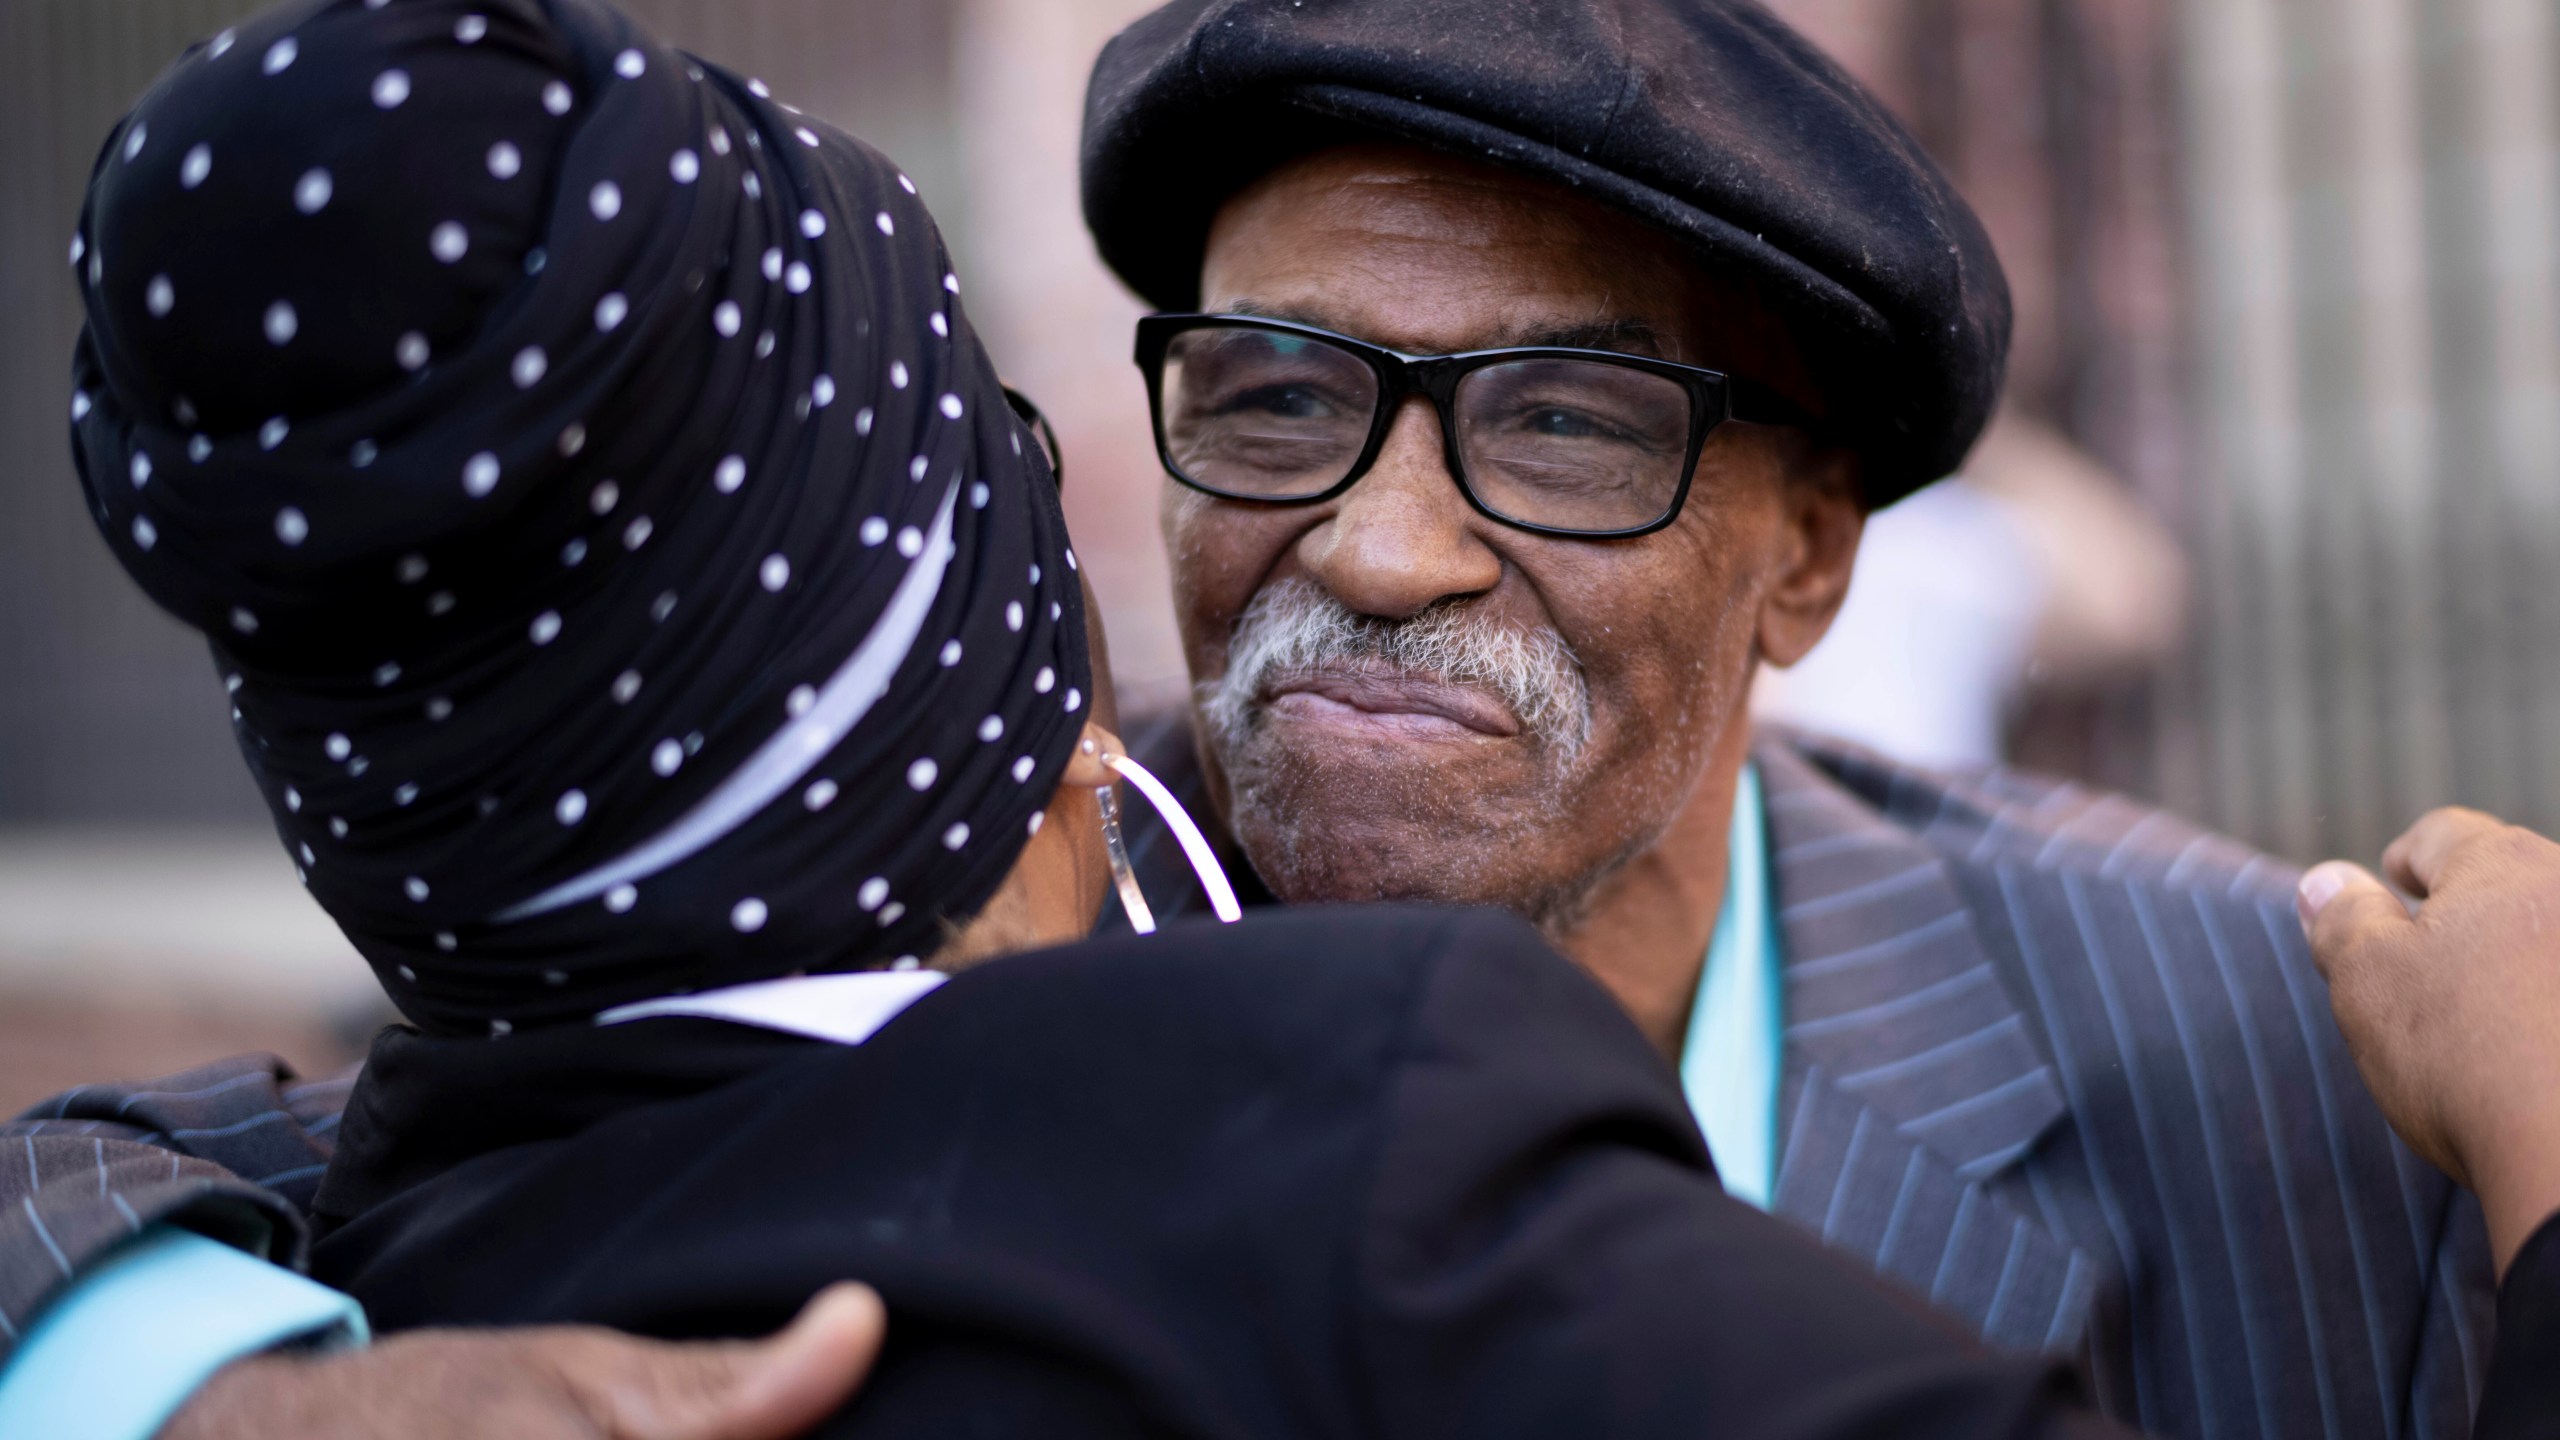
column 2269, row 533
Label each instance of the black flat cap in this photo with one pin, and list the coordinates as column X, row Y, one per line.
column 1708, row 118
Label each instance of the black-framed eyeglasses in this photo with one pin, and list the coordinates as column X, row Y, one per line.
column 1587, row 443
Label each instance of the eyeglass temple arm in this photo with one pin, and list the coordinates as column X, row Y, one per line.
column 1195, row 846
column 1754, row 403
column 1032, row 415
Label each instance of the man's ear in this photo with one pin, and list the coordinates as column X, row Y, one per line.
column 1817, row 551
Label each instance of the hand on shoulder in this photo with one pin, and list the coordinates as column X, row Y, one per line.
column 2452, row 1007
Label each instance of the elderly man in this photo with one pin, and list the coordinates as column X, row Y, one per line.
column 1525, row 384
column 1528, row 383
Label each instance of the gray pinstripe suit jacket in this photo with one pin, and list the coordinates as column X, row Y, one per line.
column 2054, row 1060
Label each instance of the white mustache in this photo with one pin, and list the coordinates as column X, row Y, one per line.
column 1294, row 628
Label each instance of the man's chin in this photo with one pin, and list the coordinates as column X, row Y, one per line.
column 1362, row 859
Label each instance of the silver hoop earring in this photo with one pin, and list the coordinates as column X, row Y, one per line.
column 1195, row 847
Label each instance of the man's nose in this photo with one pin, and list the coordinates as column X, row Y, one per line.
column 1403, row 536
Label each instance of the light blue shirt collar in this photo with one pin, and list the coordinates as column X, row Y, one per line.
column 1729, row 1060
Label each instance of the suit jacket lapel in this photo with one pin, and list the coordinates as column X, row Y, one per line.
column 1889, row 991
column 1911, row 1084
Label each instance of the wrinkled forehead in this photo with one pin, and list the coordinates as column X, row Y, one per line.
column 1426, row 251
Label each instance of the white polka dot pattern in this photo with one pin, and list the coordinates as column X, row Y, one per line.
column 514, row 737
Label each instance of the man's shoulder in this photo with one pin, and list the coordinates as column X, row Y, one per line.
column 2033, row 830
column 2142, row 950
column 2213, row 1105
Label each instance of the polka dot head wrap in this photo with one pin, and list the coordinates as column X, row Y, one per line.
column 627, row 570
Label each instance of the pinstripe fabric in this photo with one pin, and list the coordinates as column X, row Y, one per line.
column 2062, row 1063
column 233, row 1149
column 2054, row 1060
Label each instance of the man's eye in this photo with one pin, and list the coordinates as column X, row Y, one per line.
column 1288, row 402
column 1569, row 424
column 1557, row 422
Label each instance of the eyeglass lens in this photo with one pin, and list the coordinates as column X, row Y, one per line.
column 1567, row 444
